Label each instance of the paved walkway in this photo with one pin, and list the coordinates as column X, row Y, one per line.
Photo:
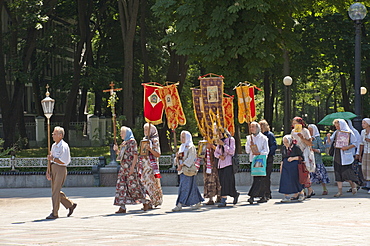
column 321, row 220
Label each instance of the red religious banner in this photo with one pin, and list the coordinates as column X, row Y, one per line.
column 228, row 105
column 173, row 108
column 153, row 105
column 246, row 103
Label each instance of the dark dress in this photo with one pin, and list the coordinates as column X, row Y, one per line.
column 343, row 172
column 261, row 184
column 289, row 178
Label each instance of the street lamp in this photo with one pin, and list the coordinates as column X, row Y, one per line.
column 287, row 114
column 357, row 12
column 363, row 90
column 48, row 107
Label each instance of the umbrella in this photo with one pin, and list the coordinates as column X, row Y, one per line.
column 328, row 120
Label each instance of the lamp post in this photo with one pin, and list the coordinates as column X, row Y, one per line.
column 357, row 12
column 287, row 111
column 317, row 99
column 48, row 107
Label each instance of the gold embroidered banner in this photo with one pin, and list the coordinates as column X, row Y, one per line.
column 228, row 105
column 246, row 104
column 198, row 110
column 212, row 89
column 173, row 108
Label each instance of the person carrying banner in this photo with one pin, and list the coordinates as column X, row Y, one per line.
column 212, row 185
column 224, row 152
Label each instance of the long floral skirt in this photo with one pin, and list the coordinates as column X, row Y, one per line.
column 129, row 190
column 320, row 175
column 212, row 185
column 151, row 184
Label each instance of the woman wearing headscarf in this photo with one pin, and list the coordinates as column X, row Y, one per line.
column 150, row 175
column 265, row 129
column 320, row 176
column 356, row 165
column 304, row 141
column 343, row 157
column 260, row 186
column 129, row 190
column 289, row 178
column 364, row 152
column 189, row 194
column 224, row 152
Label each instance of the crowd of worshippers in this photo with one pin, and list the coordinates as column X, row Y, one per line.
column 139, row 175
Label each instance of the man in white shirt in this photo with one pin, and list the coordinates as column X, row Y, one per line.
column 60, row 157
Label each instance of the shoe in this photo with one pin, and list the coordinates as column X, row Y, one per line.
column 150, row 206
column 250, row 200
column 221, row 204
column 145, row 207
column 262, row 200
column 349, row 190
column 71, row 209
column 196, row 206
column 52, row 217
column 121, row 211
column 365, row 188
column 325, row 192
column 301, row 198
column 177, row 208
column 338, row 194
column 236, row 198
column 210, row 202
column 312, row 194
column 294, row 198
column 286, row 199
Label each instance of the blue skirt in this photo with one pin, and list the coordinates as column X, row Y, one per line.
column 289, row 178
column 188, row 191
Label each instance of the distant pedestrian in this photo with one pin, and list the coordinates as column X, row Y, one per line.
column 320, row 176
column 257, row 144
column 129, row 190
column 224, row 152
column 289, row 178
column 59, row 157
column 343, row 156
column 189, row 194
column 364, row 152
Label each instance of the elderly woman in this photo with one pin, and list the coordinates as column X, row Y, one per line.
column 289, row 178
column 150, row 175
column 128, row 188
column 257, row 144
column 364, row 152
column 304, row 142
column 343, row 156
column 224, row 152
column 189, row 194
column 320, row 176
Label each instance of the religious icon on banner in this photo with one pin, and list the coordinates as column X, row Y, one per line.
column 212, row 94
column 153, row 105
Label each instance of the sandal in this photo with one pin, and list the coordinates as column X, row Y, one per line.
column 121, row 211
column 325, row 192
column 338, row 194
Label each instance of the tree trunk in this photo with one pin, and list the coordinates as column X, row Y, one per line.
column 267, row 102
column 128, row 11
column 143, row 41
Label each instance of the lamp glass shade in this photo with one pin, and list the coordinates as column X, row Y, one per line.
column 287, row 80
column 363, row 90
column 357, row 11
column 48, row 106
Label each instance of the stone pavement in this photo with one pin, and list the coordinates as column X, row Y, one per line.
column 321, row 220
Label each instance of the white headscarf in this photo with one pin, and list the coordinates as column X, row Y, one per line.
column 188, row 142
column 315, row 131
column 343, row 126
column 367, row 120
column 357, row 134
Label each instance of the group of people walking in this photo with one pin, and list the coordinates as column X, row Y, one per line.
column 139, row 176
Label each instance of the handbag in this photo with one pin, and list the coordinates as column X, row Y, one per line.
column 331, row 150
column 258, row 166
column 302, row 172
column 190, row 171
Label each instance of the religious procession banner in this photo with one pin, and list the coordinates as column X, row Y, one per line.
column 173, row 108
column 153, row 105
column 212, row 89
column 246, row 103
column 228, row 105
